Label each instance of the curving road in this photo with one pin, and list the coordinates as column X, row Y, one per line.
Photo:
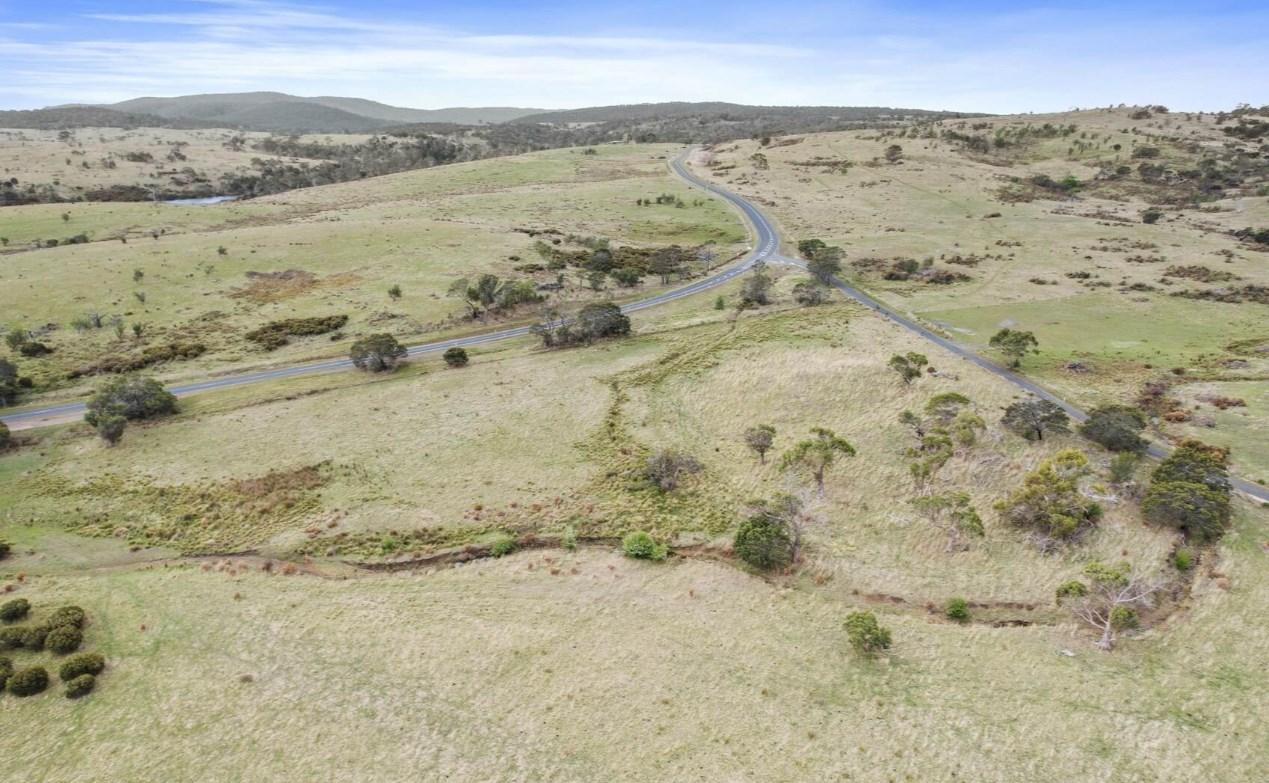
column 765, row 248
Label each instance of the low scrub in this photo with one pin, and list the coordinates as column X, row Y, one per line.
column 28, row 682
column 155, row 354
column 79, row 664
column 276, row 334
column 642, row 546
column 80, row 686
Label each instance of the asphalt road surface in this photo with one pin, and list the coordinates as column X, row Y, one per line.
column 765, row 248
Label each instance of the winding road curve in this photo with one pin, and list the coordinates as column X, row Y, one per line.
column 766, row 248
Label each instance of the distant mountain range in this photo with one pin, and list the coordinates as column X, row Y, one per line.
column 279, row 112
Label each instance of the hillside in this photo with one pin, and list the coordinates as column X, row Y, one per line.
column 734, row 111
column 274, row 111
column 64, row 117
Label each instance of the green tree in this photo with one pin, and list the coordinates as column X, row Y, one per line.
column 866, row 635
column 8, row 382
column 759, row 439
column 908, row 365
column 1032, row 418
column 1116, row 428
column 377, row 352
column 818, row 454
column 1190, row 491
column 1015, row 344
column 825, row 265
column 1049, row 502
column 130, row 398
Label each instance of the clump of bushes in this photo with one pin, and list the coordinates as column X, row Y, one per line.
column 124, row 399
column 155, row 354
column 28, row 681
column 276, row 334
column 642, row 546
column 667, row 468
column 763, row 539
column 866, row 635
column 593, row 322
column 12, row 611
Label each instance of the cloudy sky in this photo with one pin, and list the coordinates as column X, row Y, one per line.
column 988, row 55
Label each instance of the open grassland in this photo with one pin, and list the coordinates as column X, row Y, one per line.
column 511, row 669
column 214, row 273
column 1083, row 272
column 554, row 666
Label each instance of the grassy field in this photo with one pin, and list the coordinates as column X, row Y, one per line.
column 233, row 558
column 340, row 248
column 1085, row 274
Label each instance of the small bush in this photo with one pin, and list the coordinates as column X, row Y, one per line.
column 68, row 615
column 1183, row 559
column 763, row 542
column 11, row 637
column 80, row 686
column 503, row 545
column 456, row 357
column 568, row 539
column 5, row 549
column 35, row 637
column 866, row 635
column 642, row 546
column 64, row 639
column 28, row 682
column 81, row 663
column 12, row 611
column 1116, row 428
column 6, row 671
column 957, row 609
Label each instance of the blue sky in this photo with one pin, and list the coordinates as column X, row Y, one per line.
column 988, row 55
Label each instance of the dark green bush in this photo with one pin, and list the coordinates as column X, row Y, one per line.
column 6, row 670
column 642, row 546
column 80, row 686
column 1183, row 559
column 275, row 333
column 35, row 637
column 28, row 682
column 68, row 615
column 12, row 611
column 377, row 352
column 130, row 397
column 456, row 357
column 762, row 541
column 64, row 639
column 81, row 663
column 1116, row 428
column 5, row 546
column 957, row 609
column 11, row 637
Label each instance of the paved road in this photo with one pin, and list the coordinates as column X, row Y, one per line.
column 765, row 248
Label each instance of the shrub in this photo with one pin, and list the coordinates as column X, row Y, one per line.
column 666, row 468
column 5, row 548
column 1190, row 491
column 64, row 639
column 11, row 637
column 68, row 615
column 1123, row 466
column 456, row 357
column 1049, row 501
column 1116, row 428
column 642, row 546
column 12, row 611
column 957, row 609
column 29, row 681
column 762, row 541
column 1183, row 559
column 35, row 637
column 5, row 438
column 275, row 333
column 6, row 671
column 81, row 663
column 503, row 545
column 110, row 427
column 866, row 635
column 80, row 686
column 377, row 352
